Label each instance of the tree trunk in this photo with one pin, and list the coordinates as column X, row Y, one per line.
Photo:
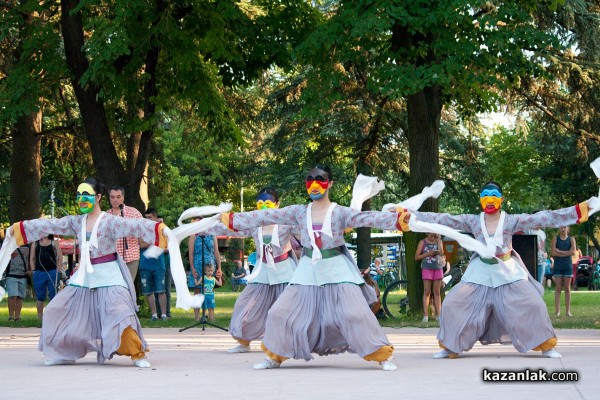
column 25, row 168
column 109, row 168
column 363, row 242
column 424, row 113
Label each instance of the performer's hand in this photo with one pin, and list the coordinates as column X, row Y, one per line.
column 195, row 273
column 219, row 274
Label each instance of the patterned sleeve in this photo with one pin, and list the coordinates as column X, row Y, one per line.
column 147, row 230
column 254, row 219
column 459, row 222
column 221, row 230
column 375, row 219
column 551, row 219
column 35, row 229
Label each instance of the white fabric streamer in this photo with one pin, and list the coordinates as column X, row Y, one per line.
column 184, row 299
column 465, row 241
column 203, row 211
column 595, row 166
column 415, row 202
column 364, row 188
column 8, row 247
column 594, row 202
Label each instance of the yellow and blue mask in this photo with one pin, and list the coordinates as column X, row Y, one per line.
column 86, row 198
column 491, row 198
column 265, row 201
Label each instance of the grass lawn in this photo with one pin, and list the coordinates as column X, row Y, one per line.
column 585, row 307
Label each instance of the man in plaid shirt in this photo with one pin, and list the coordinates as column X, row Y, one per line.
column 128, row 248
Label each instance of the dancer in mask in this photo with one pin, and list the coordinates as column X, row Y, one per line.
column 497, row 301
column 323, row 311
column 97, row 311
column 275, row 266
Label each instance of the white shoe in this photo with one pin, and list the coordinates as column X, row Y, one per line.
column 445, row 354
column 388, row 365
column 437, row 318
column 425, row 319
column 240, row 348
column 59, row 362
column 267, row 364
column 142, row 363
column 551, row 354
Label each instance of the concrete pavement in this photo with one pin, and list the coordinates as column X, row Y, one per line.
column 195, row 364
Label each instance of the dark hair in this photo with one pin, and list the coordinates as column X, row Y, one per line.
column 325, row 168
column 270, row 191
column 492, row 184
column 99, row 188
column 118, row 188
column 151, row 211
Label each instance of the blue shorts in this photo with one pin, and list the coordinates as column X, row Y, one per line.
column 565, row 272
column 44, row 281
column 209, row 303
column 153, row 280
column 15, row 287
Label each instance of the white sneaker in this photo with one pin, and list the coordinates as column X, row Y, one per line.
column 141, row 363
column 551, row 354
column 445, row 354
column 267, row 364
column 437, row 318
column 425, row 319
column 388, row 365
column 240, row 348
column 59, row 362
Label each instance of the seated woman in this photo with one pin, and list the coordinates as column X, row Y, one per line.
column 238, row 276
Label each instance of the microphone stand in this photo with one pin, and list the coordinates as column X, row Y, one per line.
column 125, row 246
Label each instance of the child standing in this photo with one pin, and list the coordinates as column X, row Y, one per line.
column 209, row 290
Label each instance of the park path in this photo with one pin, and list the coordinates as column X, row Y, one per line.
column 195, row 364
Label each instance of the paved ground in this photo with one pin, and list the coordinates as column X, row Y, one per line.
column 194, row 364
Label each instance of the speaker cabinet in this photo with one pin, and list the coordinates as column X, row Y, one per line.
column 527, row 247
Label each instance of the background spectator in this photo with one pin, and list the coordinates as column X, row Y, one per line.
column 16, row 281
column 128, row 248
column 152, row 276
column 44, row 259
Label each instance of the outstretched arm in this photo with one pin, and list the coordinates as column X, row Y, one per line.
column 553, row 219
